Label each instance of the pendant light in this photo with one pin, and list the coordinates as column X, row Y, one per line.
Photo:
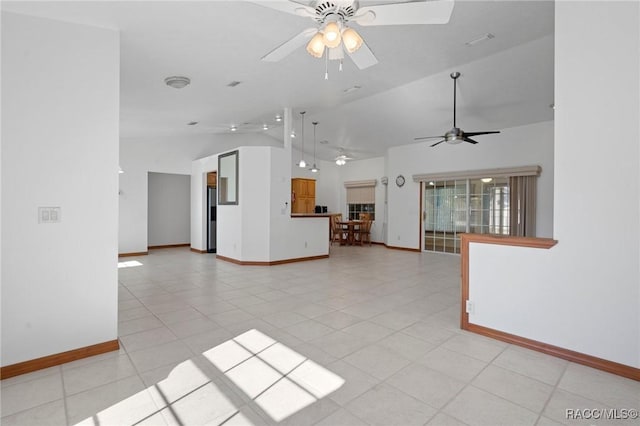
column 314, row 169
column 302, row 163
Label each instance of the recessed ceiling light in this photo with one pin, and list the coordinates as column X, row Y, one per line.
column 192, row 123
column 234, row 83
column 482, row 38
column 233, row 128
column 293, row 133
column 265, row 127
column 177, row 82
column 278, row 118
column 352, row 89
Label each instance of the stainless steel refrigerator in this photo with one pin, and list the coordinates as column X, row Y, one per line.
column 211, row 219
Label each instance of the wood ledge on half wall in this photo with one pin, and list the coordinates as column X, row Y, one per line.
column 508, row 240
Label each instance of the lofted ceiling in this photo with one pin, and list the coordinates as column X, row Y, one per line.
column 506, row 81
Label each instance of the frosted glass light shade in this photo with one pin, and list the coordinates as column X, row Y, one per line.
column 351, row 40
column 331, row 36
column 315, row 47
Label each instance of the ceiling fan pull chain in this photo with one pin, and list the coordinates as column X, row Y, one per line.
column 326, row 66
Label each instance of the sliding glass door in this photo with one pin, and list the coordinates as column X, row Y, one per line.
column 468, row 205
column 445, row 215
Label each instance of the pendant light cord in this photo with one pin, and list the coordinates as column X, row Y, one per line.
column 315, row 123
column 302, row 113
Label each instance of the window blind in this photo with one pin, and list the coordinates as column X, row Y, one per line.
column 361, row 192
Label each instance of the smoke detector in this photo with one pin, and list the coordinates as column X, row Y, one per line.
column 177, row 82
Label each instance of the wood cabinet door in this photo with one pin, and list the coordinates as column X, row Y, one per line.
column 299, row 187
column 311, row 188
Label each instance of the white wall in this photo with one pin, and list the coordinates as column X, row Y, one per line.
column 164, row 155
column 518, row 146
column 583, row 294
column 132, row 210
column 169, row 209
column 60, row 112
column 372, row 168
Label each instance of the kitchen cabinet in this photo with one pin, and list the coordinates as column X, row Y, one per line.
column 303, row 195
column 212, row 179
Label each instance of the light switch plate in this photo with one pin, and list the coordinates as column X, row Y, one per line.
column 49, row 215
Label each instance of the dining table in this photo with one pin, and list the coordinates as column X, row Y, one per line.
column 347, row 236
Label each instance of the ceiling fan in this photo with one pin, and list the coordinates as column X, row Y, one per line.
column 342, row 157
column 333, row 34
column 456, row 135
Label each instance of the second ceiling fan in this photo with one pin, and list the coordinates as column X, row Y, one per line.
column 456, row 135
column 333, row 34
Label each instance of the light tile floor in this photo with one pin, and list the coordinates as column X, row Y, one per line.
column 368, row 336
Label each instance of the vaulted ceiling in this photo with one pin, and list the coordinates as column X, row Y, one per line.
column 506, row 81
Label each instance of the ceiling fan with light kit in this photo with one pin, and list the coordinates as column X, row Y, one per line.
column 333, row 37
column 342, row 158
column 456, row 135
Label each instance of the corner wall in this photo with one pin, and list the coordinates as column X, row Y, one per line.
column 60, row 115
column 584, row 293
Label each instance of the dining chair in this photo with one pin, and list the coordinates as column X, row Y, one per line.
column 364, row 216
column 363, row 233
column 336, row 229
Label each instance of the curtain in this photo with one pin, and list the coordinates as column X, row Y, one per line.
column 522, row 202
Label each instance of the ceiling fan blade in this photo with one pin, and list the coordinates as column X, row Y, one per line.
column 466, row 139
column 363, row 57
column 290, row 46
column 480, row 133
column 294, row 8
column 427, row 137
column 424, row 12
column 438, row 143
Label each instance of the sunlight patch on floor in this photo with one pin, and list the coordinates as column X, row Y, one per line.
column 280, row 380
column 129, row 264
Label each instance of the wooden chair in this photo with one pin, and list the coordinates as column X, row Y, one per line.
column 364, row 216
column 336, row 230
column 363, row 233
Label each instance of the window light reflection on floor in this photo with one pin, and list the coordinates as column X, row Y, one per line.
column 129, row 264
column 178, row 399
column 278, row 379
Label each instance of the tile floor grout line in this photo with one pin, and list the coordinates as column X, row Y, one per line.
column 553, row 391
